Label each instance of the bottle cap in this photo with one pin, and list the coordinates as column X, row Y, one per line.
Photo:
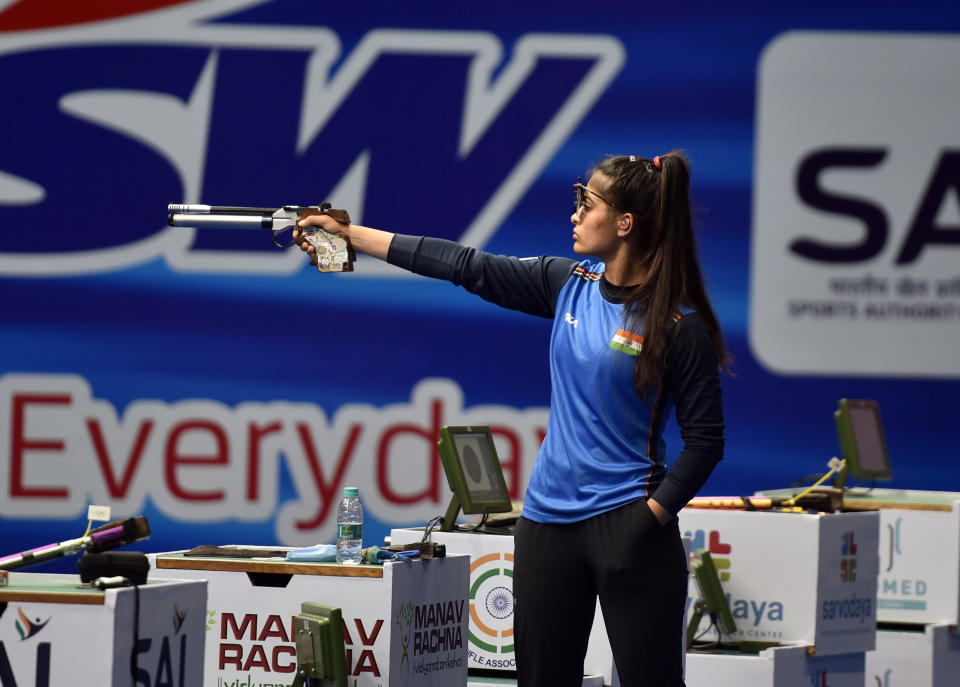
column 351, row 492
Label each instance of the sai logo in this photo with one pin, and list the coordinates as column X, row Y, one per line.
column 491, row 611
column 719, row 551
column 855, row 212
column 27, row 628
column 162, row 660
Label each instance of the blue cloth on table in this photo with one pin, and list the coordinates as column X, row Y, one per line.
column 321, row 553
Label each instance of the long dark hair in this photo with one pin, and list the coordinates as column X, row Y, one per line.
column 657, row 193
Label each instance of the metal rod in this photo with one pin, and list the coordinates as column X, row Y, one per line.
column 221, row 221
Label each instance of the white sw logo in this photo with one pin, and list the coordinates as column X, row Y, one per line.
column 181, row 120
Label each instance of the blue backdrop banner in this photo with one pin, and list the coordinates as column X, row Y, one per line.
column 228, row 391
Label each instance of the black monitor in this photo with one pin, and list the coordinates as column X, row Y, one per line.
column 473, row 471
column 321, row 654
column 862, row 441
column 712, row 599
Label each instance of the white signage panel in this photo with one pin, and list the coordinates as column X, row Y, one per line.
column 490, row 598
column 150, row 635
column 855, row 265
column 928, row 656
column 919, row 566
column 491, row 603
column 787, row 666
column 407, row 628
column 792, row 578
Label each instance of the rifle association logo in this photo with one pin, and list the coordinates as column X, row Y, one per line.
column 491, row 611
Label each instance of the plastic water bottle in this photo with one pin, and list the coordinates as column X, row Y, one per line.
column 350, row 528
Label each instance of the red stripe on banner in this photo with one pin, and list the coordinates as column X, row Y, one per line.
column 45, row 14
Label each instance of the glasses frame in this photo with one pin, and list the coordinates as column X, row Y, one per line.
column 579, row 203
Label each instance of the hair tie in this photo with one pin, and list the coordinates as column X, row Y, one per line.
column 633, row 158
column 656, row 162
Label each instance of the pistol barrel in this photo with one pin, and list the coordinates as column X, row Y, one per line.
column 221, row 221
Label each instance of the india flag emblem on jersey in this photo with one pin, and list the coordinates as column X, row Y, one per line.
column 627, row 342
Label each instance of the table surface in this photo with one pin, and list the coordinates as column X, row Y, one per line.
column 63, row 588
column 278, row 566
column 878, row 499
column 50, row 588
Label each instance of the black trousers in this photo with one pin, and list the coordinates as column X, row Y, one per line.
column 639, row 571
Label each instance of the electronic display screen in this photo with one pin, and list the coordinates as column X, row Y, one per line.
column 868, row 435
column 480, row 468
column 862, row 441
column 473, row 470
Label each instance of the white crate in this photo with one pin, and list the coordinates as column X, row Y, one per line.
column 588, row 681
column 491, row 570
column 794, row 578
column 491, row 574
column 919, row 566
column 785, row 666
column 405, row 623
column 926, row 657
column 54, row 633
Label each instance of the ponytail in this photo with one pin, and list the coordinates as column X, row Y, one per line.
column 657, row 192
